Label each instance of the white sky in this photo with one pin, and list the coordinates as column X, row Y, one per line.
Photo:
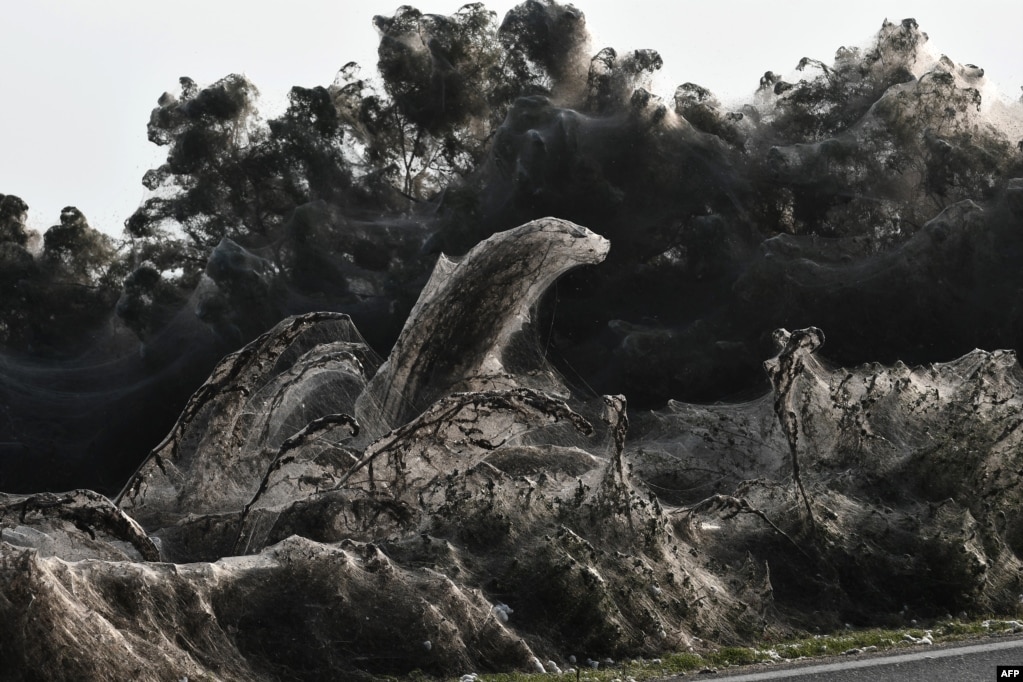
column 78, row 78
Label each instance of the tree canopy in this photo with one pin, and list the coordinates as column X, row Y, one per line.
column 472, row 124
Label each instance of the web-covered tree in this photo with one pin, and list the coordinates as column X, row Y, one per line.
column 833, row 98
column 76, row 255
column 13, row 213
column 302, row 158
column 612, row 79
column 548, row 49
column 866, row 148
column 447, row 83
column 358, row 146
column 17, row 266
column 228, row 175
column 477, row 126
column 82, row 274
column 203, row 192
column 944, row 143
column 50, row 302
column 701, row 109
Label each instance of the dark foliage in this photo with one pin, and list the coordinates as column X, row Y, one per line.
column 53, row 301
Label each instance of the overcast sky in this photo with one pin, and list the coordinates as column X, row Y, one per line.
column 79, row 77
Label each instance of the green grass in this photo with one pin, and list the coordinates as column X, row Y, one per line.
column 805, row 647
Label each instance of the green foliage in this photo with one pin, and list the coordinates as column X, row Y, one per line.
column 734, row 655
column 765, row 652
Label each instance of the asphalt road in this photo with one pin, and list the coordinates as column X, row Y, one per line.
column 975, row 662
